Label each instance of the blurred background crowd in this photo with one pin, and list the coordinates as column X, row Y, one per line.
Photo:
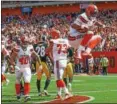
column 35, row 26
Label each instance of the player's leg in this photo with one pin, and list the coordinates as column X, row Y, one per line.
column 83, row 43
column 48, row 77
column 94, row 41
column 22, row 87
column 27, row 79
column 59, row 82
column 65, row 76
column 39, row 76
column 59, row 70
column 70, row 76
column 17, row 84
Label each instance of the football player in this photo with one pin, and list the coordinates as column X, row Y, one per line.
column 81, row 31
column 40, row 49
column 22, row 54
column 58, row 53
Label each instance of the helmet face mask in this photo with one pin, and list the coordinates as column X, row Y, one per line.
column 94, row 14
column 25, row 44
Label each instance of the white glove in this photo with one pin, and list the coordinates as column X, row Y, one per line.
column 17, row 68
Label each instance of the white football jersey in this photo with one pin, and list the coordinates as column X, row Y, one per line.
column 60, row 47
column 84, row 21
column 24, row 57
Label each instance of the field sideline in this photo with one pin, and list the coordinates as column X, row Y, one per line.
column 102, row 88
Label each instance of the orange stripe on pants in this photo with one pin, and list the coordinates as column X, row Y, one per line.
column 95, row 40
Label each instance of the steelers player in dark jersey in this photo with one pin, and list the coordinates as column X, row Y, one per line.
column 40, row 48
column 68, row 72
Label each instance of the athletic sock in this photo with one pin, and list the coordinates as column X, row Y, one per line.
column 65, row 80
column 47, row 82
column 59, row 91
column 66, row 90
column 17, row 88
column 70, row 79
column 26, row 88
column 38, row 83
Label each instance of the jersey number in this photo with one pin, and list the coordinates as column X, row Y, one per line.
column 62, row 48
column 41, row 51
column 24, row 60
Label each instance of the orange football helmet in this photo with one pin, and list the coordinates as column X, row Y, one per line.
column 91, row 10
column 55, row 34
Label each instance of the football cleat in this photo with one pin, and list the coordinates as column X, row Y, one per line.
column 58, row 97
column 70, row 87
column 67, row 96
column 39, row 94
column 45, row 93
column 27, row 98
column 18, row 97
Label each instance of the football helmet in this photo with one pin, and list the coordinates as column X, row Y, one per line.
column 91, row 10
column 24, row 41
column 55, row 34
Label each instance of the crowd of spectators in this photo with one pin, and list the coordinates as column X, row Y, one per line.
column 108, row 17
column 37, row 25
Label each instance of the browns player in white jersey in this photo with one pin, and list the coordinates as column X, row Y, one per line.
column 22, row 55
column 4, row 58
column 58, row 48
column 80, row 31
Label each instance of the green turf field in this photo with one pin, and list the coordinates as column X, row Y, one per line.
column 102, row 88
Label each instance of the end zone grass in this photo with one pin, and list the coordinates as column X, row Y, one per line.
column 102, row 88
